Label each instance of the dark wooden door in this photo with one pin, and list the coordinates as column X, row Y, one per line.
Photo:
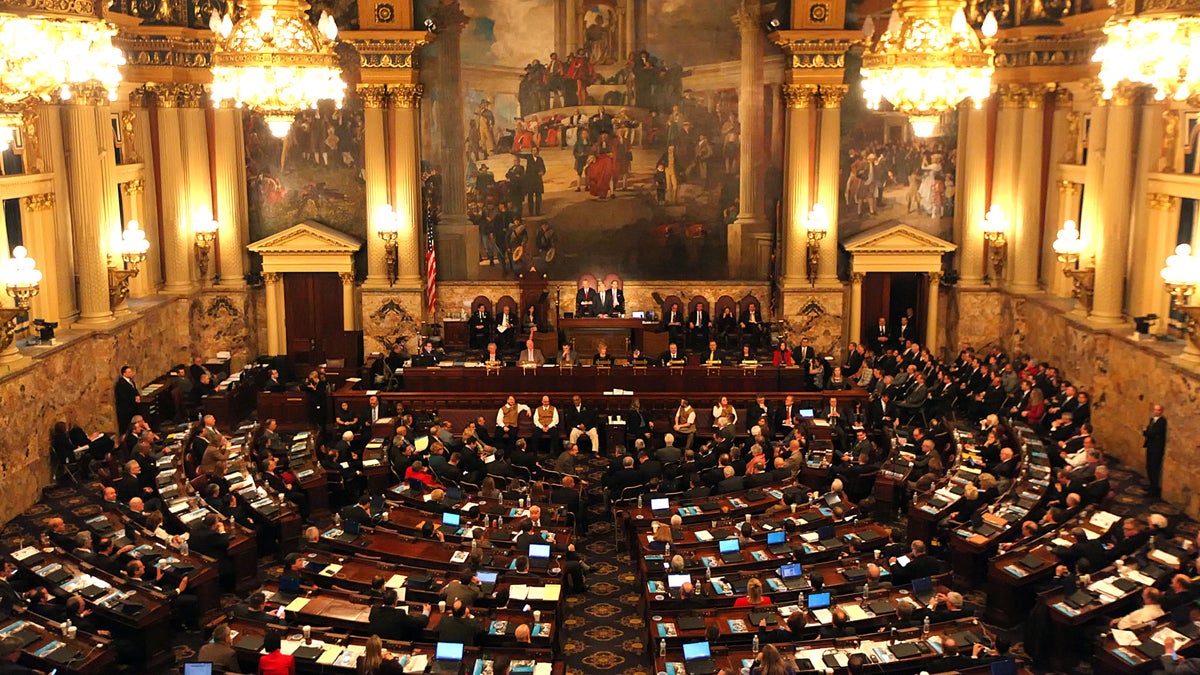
column 313, row 307
column 889, row 294
column 876, row 287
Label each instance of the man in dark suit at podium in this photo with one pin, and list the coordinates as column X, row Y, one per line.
column 481, row 327
column 614, row 300
column 586, row 300
column 127, row 398
column 699, row 324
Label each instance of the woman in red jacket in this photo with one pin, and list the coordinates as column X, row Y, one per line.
column 783, row 355
column 275, row 662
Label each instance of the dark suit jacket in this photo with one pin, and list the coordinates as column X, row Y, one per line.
column 587, row 295
column 126, row 395
column 455, row 629
column 732, row 484
column 614, row 305
column 388, row 622
column 921, row 566
column 1155, row 435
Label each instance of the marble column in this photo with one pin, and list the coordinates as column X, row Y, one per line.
column 750, row 113
column 406, row 181
column 1093, row 176
column 931, row 313
column 1027, row 223
column 194, row 135
column 1112, row 237
column 796, row 180
column 151, row 277
column 1006, row 160
column 84, row 153
column 1057, row 283
column 350, row 312
column 450, row 140
column 777, row 124
column 1050, row 273
column 1152, row 244
column 375, row 171
column 50, row 132
column 230, row 173
column 972, row 194
column 829, row 192
column 1158, row 242
column 274, row 293
column 856, row 285
column 174, row 195
column 38, row 232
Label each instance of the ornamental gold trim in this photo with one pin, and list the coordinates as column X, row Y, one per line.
column 799, row 95
column 832, row 95
column 39, row 202
column 406, row 95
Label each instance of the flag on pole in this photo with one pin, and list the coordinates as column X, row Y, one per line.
column 430, row 265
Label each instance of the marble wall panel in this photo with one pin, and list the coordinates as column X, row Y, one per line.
column 226, row 320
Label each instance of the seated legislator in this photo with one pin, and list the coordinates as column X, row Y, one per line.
column 672, row 322
column 637, row 358
column 428, row 356
column 614, row 300
column 602, row 357
column 531, row 355
column 506, row 327
column 567, row 356
column 751, row 323
column 699, row 325
column 747, row 357
column 481, row 327
column 529, row 322
column 491, row 354
column 712, row 356
column 581, row 420
column 587, row 301
column 782, row 356
column 672, row 357
column 727, row 326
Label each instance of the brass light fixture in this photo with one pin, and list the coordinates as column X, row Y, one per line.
column 816, row 227
column 22, row 281
column 1181, row 276
column 133, row 253
column 995, row 229
column 1069, row 247
column 204, row 229
column 387, row 224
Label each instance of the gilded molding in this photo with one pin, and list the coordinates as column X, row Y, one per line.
column 34, row 161
column 39, row 202
column 1161, row 202
column 373, row 95
column 406, row 95
column 190, row 95
column 799, row 95
column 79, row 8
column 133, row 187
column 857, row 277
column 129, row 135
column 832, row 95
column 1068, row 189
column 934, row 278
column 1170, row 141
column 272, row 277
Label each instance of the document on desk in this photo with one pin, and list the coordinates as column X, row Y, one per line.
column 396, row 581
column 297, row 604
column 823, row 616
column 1125, row 638
column 1103, row 520
column 518, row 592
column 853, row 611
column 416, row 663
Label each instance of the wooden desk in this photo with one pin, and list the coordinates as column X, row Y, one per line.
column 96, row 654
column 621, row 334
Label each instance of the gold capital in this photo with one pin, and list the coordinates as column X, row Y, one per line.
column 272, row 277
column 40, row 202
column 1067, row 188
column 86, row 94
column 1125, row 94
column 1161, row 202
column 1063, row 98
column 346, row 277
column 857, row 277
column 406, row 95
column 133, row 187
column 139, row 98
column 1011, row 95
column 935, row 278
column 373, row 95
column 832, row 95
column 799, row 95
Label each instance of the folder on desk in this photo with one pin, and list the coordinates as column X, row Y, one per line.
column 297, row 604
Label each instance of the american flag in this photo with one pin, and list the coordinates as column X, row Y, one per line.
column 430, row 264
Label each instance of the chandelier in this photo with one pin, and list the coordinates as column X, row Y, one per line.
column 275, row 61
column 928, row 61
column 1154, row 50
column 41, row 56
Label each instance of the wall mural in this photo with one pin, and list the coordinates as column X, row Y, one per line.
column 314, row 173
column 890, row 176
column 599, row 136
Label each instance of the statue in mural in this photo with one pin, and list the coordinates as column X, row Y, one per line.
column 485, row 121
column 599, row 42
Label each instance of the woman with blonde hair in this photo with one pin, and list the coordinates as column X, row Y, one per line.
column 754, row 595
column 488, row 489
column 661, row 537
column 376, row 660
column 770, row 662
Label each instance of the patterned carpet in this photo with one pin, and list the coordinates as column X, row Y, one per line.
column 603, row 630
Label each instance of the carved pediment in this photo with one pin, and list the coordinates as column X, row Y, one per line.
column 307, row 238
column 897, row 238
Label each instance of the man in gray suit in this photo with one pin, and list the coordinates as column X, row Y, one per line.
column 531, row 354
column 668, row 453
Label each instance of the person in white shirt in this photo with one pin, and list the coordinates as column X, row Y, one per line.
column 685, row 423
column 724, row 409
column 1150, row 610
column 1080, row 457
column 545, row 425
column 508, row 420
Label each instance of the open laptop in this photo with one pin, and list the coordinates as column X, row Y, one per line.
column 793, row 577
column 198, row 669
column 448, row 657
column 818, row 604
column 806, row 413
column 697, row 659
column 828, row 537
column 660, row 507
column 539, row 556
column 677, row 580
column 451, row 522
column 289, row 589
column 1002, row 667
column 731, row 551
column 777, row 543
column 923, row 589
column 487, row 581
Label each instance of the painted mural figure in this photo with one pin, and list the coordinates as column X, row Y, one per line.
column 600, row 42
column 582, row 72
column 486, row 125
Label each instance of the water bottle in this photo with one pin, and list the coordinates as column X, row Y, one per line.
column 487, row 520
column 499, row 522
column 866, row 591
column 708, row 573
column 754, row 644
column 183, row 547
column 662, row 648
column 667, row 550
column 925, row 626
column 697, row 588
column 1152, row 538
column 893, row 640
column 639, row 501
column 800, row 600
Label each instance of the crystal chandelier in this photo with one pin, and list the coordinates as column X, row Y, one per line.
column 1154, row 50
column 41, row 56
column 928, row 61
column 275, row 61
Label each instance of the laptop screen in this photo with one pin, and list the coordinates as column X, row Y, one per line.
column 638, row 315
column 451, row 519
column 487, row 577
column 729, row 546
column 818, row 601
column 831, row 498
column 677, row 580
column 825, row 532
column 777, row 537
column 289, row 584
column 199, row 669
column 449, row 651
column 696, row 650
column 352, row 527
column 377, row 503
column 1005, row 667
column 539, row 550
column 922, row 585
column 806, row 413
column 790, row 571
column 660, row 504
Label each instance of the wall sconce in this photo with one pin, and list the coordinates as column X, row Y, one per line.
column 205, row 231
column 1069, row 247
column 22, row 280
column 995, row 228
column 133, row 253
column 816, row 227
column 387, row 224
column 1181, row 276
